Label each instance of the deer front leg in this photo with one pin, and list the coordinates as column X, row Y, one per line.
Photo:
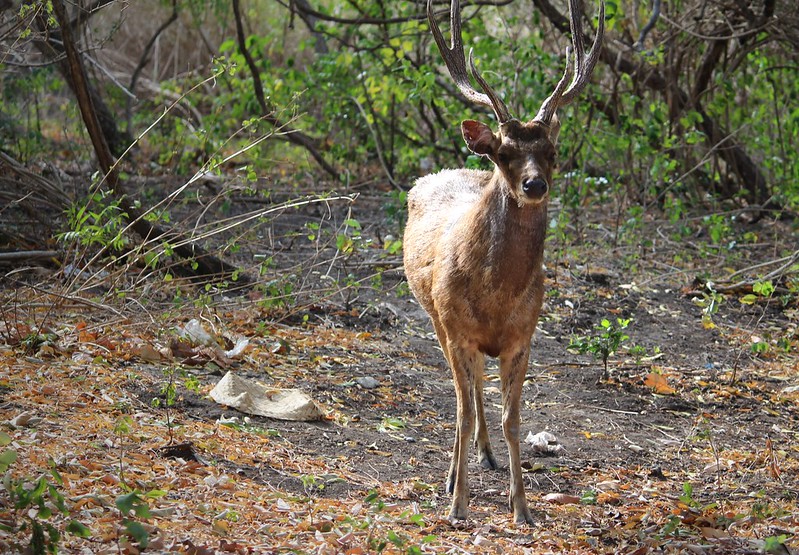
column 481, row 439
column 464, row 362
column 513, row 369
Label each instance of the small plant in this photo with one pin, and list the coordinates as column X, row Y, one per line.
column 35, row 502
column 391, row 424
column 687, row 496
column 382, row 538
column 170, row 397
column 396, row 208
column 718, row 227
column 709, row 303
column 99, row 222
column 122, row 428
column 589, row 497
column 760, row 290
column 350, row 240
column 133, row 502
column 606, row 342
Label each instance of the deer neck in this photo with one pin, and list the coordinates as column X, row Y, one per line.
column 514, row 234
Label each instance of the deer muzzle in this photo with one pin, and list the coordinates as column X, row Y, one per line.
column 535, row 189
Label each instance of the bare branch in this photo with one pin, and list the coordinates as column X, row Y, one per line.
column 291, row 135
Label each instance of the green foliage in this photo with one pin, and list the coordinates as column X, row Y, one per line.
column 375, row 88
column 709, row 302
column 607, row 340
column 36, row 503
column 760, row 290
column 391, row 424
column 98, row 222
column 167, row 399
column 588, row 497
column 383, row 537
column 133, row 503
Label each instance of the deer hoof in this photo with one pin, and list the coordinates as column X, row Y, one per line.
column 457, row 516
column 488, row 461
column 523, row 517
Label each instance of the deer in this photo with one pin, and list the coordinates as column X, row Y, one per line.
column 474, row 248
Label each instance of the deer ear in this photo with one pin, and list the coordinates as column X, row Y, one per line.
column 479, row 138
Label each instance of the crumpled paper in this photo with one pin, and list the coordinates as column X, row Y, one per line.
column 253, row 398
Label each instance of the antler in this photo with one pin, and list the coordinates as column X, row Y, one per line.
column 583, row 66
column 456, row 63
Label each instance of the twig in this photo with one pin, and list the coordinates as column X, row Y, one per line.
column 72, row 298
column 789, row 260
column 208, row 266
column 639, row 44
column 378, row 142
column 292, row 135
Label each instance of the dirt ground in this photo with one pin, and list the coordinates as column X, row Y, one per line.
column 723, row 414
column 689, row 446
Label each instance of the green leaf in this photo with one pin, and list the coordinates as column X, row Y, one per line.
column 5, row 439
column 138, row 533
column 132, row 502
column 749, row 299
column 7, row 458
column 763, row 288
column 589, row 497
column 395, row 539
column 77, row 529
column 155, row 494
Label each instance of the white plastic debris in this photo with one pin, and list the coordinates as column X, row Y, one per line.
column 238, row 348
column 196, row 334
column 544, row 443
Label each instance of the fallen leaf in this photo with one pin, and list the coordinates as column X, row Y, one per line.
column 561, row 499
column 659, row 384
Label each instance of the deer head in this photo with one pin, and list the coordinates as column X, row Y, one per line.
column 523, row 153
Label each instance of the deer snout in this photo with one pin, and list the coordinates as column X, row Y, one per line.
column 535, row 189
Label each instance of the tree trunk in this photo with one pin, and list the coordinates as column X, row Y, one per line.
column 208, row 266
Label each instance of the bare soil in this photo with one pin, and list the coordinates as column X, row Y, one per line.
column 728, row 419
column 690, row 446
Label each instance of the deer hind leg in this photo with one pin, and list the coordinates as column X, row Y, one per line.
column 481, row 440
column 513, row 369
column 465, row 363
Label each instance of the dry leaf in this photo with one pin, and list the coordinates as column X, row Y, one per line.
column 561, row 499
column 659, row 384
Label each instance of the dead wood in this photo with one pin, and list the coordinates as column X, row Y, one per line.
column 208, row 267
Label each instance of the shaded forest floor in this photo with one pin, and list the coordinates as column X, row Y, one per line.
column 690, row 446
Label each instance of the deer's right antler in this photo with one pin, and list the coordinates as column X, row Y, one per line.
column 566, row 92
column 456, row 63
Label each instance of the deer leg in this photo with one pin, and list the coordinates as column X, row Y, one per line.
column 481, row 440
column 513, row 369
column 463, row 362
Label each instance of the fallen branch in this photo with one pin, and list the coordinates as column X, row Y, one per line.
column 16, row 256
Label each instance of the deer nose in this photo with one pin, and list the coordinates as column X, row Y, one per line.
column 534, row 188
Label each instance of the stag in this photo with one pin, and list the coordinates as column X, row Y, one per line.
column 474, row 246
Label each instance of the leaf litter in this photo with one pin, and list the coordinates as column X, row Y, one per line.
column 689, row 447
